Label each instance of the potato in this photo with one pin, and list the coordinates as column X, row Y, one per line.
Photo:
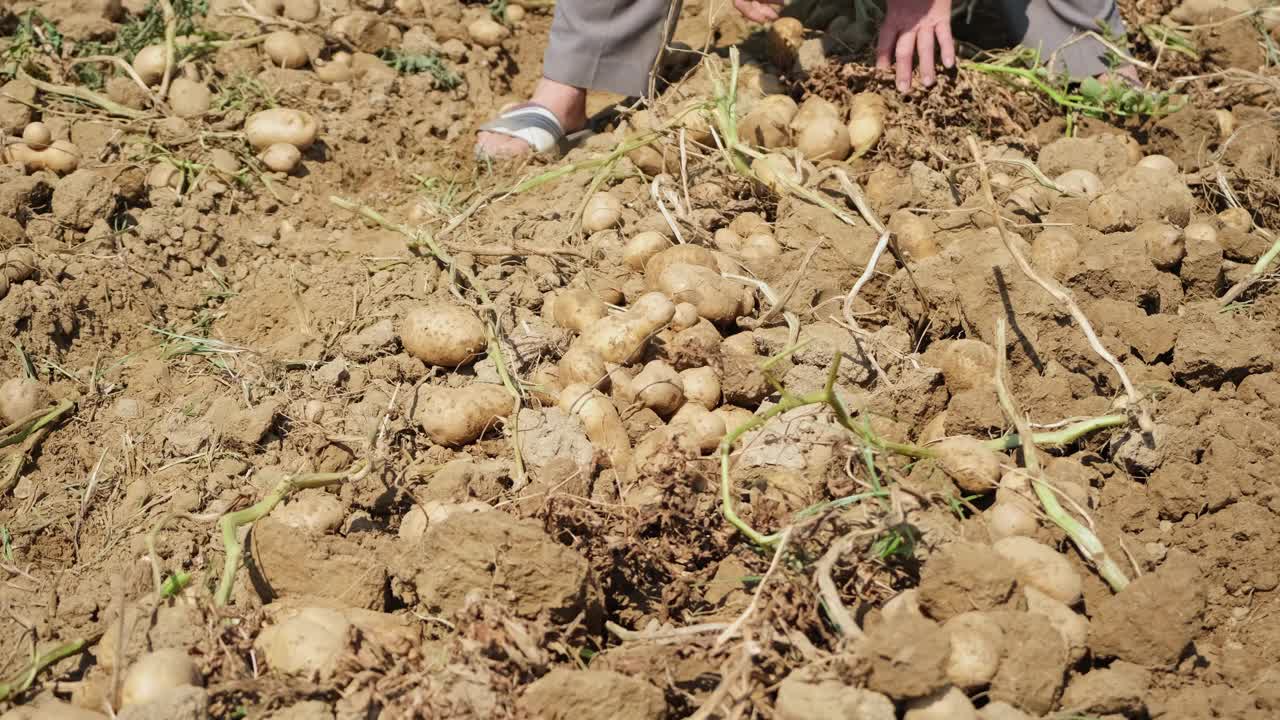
column 1042, row 567
column 281, row 125
column 600, row 421
column 441, row 333
column 155, row 673
column 312, row 511
column 822, row 138
column 189, row 99
column 285, row 49
column 1159, row 163
column 705, row 428
column 603, row 211
column 1080, row 182
column 1226, row 123
column 37, row 136
column 777, row 172
column 575, row 309
column 659, row 387
column 967, row 364
column 1072, row 626
column 21, row 397
column 717, row 299
column 304, row 11
column 768, row 123
column 676, row 255
column 748, row 223
column 336, row 69
column 1006, row 519
column 760, row 248
column 867, row 114
column 733, row 416
column 487, row 32
column 914, row 235
column 969, row 463
column 701, row 387
column 514, row 14
column 281, row 157
column 459, row 416
column 976, row 645
column 783, row 41
column 1166, row 244
column 949, row 703
column 61, row 157
column 618, row 338
column 1054, row 251
column 685, row 317
column 642, row 247
column 149, row 64
column 18, row 264
column 813, row 107
column 726, row 240
column 1200, row 233
column 1233, row 218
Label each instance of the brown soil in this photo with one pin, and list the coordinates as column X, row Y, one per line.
column 220, row 337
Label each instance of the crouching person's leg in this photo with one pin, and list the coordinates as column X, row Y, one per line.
column 1057, row 28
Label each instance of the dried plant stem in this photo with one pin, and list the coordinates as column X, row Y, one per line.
column 23, row 680
column 1259, row 270
column 170, row 54
column 840, row 615
column 1084, row 538
column 1061, row 294
column 84, row 95
column 27, row 433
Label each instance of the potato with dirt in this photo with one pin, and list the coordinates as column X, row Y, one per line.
column 443, row 333
column 20, row 397
column 600, row 419
column 281, row 125
column 454, row 417
column 155, row 673
column 620, row 338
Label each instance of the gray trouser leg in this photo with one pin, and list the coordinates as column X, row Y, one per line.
column 1049, row 25
column 606, row 44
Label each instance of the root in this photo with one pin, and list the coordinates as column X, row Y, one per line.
column 1061, row 294
column 1084, row 538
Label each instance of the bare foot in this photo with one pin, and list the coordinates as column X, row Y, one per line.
column 567, row 103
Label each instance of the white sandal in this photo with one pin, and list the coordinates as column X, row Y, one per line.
column 532, row 123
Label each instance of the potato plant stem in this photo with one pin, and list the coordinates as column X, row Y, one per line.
column 25, row 427
column 1259, row 269
column 24, row 679
column 231, row 522
column 1084, row 538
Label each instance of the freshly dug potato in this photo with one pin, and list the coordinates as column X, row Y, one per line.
column 1200, row 233
column 717, row 299
column 1072, row 626
column 336, row 69
column 949, row 703
column 733, row 416
column 189, row 99
column 281, row 125
column 705, row 428
column 302, row 10
column 1054, row 250
column 285, row 49
column 701, row 387
column 1226, row 123
column 685, row 317
column 867, row 114
column 1010, row 519
column 677, row 255
column 18, row 264
column 776, row 172
column 768, row 123
column 969, row 463
column 976, row 645
column 603, row 211
column 1080, row 182
column 823, row 138
column 618, row 338
column 659, row 387
column 459, row 416
column 443, row 334
column 20, row 397
column 914, row 234
column 60, row 157
column 37, row 136
column 968, row 364
column 281, row 157
column 1041, row 567
column 639, row 249
column 783, row 42
column 514, row 14
column 600, row 421
column 1160, row 163
column 726, row 240
column 1233, row 218
column 811, row 109
column 149, row 64
column 576, row 309
column 1166, row 245
column 760, row 248
column 487, row 32
column 155, row 673
column 748, row 223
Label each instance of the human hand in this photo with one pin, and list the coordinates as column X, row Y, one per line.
column 761, row 11
column 910, row 29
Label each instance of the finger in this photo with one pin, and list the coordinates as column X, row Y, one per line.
column 904, row 53
column 758, row 12
column 924, row 50
column 947, row 45
column 884, row 47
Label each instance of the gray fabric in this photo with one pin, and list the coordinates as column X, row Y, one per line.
column 1049, row 25
column 606, row 44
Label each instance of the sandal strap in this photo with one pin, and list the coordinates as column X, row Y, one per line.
column 532, row 123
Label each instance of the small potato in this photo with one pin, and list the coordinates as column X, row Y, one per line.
column 617, row 338
column 281, row 157
column 717, row 299
column 514, row 14
column 37, row 136
column 336, row 69
column 686, row 316
column 727, row 241
column 976, row 646
column 149, row 64
column 1232, row 218
column 733, row 416
column 1200, row 233
column 914, row 235
column 824, row 137
column 459, row 416
column 777, row 172
column 760, row 248
column 704, row 427
column 285, row 49
column 867, row 114
column 575, row 309
column 443, row 334
column 701, row 387
column 1160, row 163
column 603, row 211
column 281, row 125
column 813, row 107
column 155, row 673
column 1006, row 519
column 1226, row 122
column 1041, row 567
column 1072, row 626
column 783, row 42
column 675, row 255
column 1080, row 182
column 768, row 123
column 641, row 248
column 748, row 223
column 1166, row 245
column 968, row 364
column 21, row 397
column 601, row 422
column 659, row 387
column 304, row 11
column 487, row 32
column 973, row 467
column 1054, row 250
